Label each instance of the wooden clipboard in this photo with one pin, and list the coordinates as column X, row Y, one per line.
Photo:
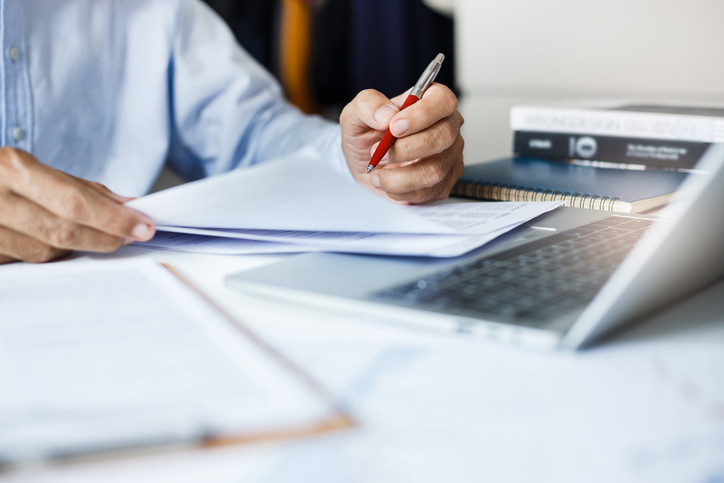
column 337, row 420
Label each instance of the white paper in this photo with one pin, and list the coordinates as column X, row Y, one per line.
column 113, row 354
column 483, row 217
column 217, row 245
column 301, row 193
column 298, row 192
column 231, row 242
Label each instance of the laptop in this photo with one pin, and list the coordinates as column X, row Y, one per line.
column 562, row 280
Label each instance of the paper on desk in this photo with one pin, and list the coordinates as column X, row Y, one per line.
column 301, row 193
column 120, row 354
column 187, row 242
column 232, row 243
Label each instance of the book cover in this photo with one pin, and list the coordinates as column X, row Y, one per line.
column 657, row 153
column 536, row 179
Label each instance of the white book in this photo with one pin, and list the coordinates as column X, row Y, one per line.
column 671, row 120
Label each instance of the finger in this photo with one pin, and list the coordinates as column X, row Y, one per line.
column 370, row 109
column 25, row 217
column 434, row 193
column 102, row 189
column 437, row 103
column 433, row 140
column 73, row 200
column 16, row 246
column 423, row 174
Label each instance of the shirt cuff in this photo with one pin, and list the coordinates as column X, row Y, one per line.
column 333, row 154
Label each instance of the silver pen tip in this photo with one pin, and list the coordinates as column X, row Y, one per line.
column 440, row 58
column 370, row 168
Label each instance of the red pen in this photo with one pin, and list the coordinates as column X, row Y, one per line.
column 423, row 83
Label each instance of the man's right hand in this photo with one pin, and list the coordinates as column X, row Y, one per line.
column 45, row 213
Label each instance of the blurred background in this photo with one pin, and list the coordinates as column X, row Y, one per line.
column 500, row 53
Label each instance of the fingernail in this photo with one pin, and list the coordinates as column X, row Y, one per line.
column 142, row 232
column 384, row 114
column 400, row 127
column 128, row 242
column 376, row 181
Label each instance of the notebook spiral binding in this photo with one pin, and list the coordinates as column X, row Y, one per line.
column 507, row 192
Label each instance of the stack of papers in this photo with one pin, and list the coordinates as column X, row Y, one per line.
column 297, row 204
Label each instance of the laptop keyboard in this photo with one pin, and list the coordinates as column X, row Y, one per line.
column 532, row 284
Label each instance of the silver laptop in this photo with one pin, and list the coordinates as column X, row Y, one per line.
column 561, row 280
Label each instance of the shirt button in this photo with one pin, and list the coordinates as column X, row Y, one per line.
column 18, row 134
column 14, row 53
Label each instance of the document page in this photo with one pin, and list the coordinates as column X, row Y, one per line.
column 482, row 217
column 218, row 245
column 479, row 223
column 235, row 242
column 300, row 193
column 106, row 355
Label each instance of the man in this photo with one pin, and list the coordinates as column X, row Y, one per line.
column 102, row 93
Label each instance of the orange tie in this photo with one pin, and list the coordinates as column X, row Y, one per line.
column 296, row 52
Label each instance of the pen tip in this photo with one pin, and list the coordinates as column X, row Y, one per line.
column 440, row 58
column 370, row 168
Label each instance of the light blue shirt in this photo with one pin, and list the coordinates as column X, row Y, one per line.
column 110, row 90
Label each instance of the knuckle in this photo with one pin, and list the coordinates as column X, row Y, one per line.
column 11, row 159
column 433, row 173
column 65, row 236
column 99, row 186
column 446, row 135
column 73, row 205
column 366, row 96
column 402, row 150
column 451, row 99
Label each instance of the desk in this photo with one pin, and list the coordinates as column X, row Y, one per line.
column 431, row 408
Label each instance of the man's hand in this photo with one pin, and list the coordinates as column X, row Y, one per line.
column 427, row 157
column 45, row 213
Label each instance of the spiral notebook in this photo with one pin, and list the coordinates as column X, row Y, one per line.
column 533, row 179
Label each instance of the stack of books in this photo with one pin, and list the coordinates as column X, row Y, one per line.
column 626, row 156
column 632, row 135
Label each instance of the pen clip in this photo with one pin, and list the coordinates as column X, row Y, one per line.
column 428, row 77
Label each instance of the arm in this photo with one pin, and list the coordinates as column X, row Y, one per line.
column 227, row 111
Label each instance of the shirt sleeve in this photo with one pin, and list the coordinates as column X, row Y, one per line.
column 227, row 110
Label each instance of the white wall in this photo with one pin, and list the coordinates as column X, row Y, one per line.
column 520, row 51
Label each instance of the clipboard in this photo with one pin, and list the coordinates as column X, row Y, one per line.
column 327, row 415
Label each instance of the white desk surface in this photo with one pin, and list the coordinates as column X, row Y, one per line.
column 646, row 406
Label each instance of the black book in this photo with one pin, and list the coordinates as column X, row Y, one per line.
column 655, row 153
column 535, row 179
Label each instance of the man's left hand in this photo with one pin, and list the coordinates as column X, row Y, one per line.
column 427, row 158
